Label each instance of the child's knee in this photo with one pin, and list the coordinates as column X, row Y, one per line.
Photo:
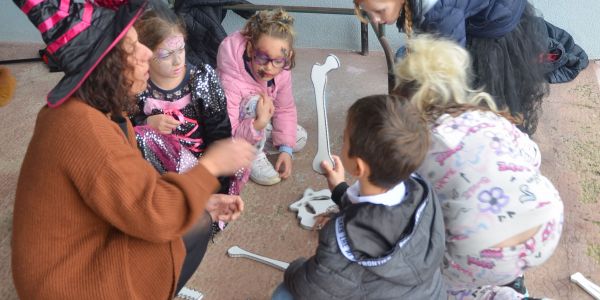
column 301, row 137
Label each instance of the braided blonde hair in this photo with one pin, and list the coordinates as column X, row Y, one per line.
column 276, row 23
column 408, row 19
column 436, row 76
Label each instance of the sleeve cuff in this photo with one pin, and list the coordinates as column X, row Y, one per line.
column 338, row 192
column 287, row 149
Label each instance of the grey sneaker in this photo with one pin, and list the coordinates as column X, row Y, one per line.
column 262, row 171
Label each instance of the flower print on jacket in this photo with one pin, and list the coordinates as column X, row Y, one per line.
column 456, row 124
column 498, row 144
column 492, row 200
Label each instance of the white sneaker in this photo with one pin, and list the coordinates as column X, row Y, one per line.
column 262, row 171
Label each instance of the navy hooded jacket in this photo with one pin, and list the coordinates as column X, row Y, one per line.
column 457, row 19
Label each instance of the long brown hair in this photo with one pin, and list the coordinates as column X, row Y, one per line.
column 107, row 88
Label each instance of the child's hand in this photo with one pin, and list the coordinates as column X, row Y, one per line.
column 226, row 156
column 163, row 123
column 264, row 111
column 224, row 208
column 334, row 175
column 284, row 165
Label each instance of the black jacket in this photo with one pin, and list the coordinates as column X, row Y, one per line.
column 202, row 20
column 390, row 252
column 569, row 58
column 208, row 104
column 457, row 19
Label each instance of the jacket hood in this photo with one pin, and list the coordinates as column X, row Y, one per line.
column 403, row 243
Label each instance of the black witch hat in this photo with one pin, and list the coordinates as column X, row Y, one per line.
column 78, row 34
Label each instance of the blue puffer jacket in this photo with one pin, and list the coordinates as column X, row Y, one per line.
column 456, row 19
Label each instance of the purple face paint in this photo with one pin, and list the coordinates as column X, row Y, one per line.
column 171, row 45
column 174, row 42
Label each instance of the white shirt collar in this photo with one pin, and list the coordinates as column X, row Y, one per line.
column 390, row 198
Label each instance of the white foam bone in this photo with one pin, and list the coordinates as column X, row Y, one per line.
column 311, row 205
column 236, row 251
column 318, row 76
column 586, row 285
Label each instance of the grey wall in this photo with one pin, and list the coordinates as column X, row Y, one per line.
column 579, row 17
column 15, row 25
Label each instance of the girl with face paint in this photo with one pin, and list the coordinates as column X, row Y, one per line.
column 180, row 99
column 254, row 66
column 182, row 109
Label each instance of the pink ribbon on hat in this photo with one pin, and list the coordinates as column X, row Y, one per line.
column 110, row 4
column 174, row 109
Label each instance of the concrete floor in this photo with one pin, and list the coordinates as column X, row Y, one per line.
column 567, row 134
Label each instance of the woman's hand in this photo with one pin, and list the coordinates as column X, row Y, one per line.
column 284, row 165
column 335, row 175
column 264, row 111
column 226, row 156
column 224, row 208
column 165, row 124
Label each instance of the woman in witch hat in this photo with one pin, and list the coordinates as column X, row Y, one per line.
column 92, row 219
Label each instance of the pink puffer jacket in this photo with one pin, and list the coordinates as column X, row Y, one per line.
column 239, row 86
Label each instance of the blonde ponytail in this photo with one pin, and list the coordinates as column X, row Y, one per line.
column 437, row 72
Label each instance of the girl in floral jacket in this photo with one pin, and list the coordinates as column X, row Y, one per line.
column 501, row 215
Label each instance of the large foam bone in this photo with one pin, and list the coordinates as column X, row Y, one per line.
column 319, row 202
column 236, row 251
column 586, row 285
column 319, row 80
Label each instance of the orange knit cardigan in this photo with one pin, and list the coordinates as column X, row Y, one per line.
column 92, row 218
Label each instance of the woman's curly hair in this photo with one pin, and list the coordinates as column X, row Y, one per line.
column 107, row 88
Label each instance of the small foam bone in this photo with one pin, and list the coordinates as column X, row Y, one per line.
column 236, row 251
column 586, row 285
column 311, row 205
